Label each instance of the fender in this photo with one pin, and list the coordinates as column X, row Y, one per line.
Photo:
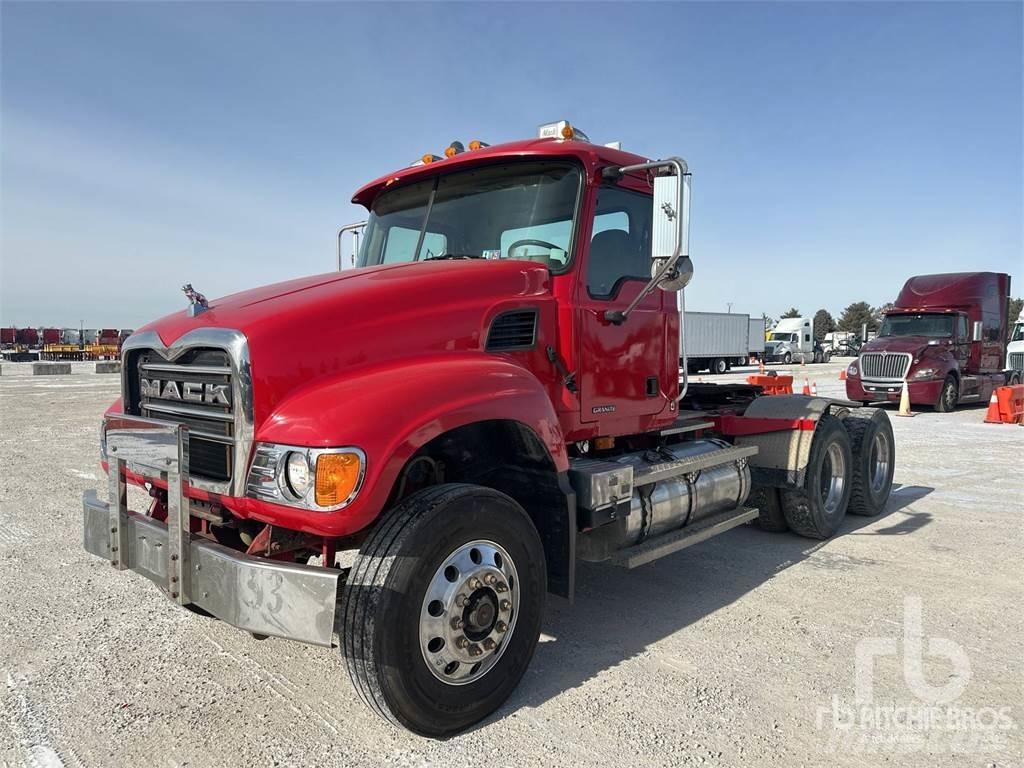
column 782, row 456
column 389, row 412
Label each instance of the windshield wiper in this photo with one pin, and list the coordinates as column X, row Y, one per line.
column 445, row 256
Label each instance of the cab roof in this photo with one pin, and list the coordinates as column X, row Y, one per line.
column 592, row 156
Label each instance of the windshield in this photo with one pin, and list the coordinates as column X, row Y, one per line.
column 1017, row 334
column 781, row 337
column 931, row 326
column 513, row 211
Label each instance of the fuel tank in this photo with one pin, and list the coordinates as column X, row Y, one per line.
column 669, row 505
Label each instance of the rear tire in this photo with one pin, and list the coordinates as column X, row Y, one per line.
column 874, row 460
column 949, row 395
column 817, row 510
column 770, row 516
column 719, row 365
column 444, row 543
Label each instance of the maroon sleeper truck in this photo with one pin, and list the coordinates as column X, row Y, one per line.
column 945, row 336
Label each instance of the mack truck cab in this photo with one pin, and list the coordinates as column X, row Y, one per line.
column 945, row 337
column 491, row 395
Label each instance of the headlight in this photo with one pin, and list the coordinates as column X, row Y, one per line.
column 852, row 370
column 297, row 473
column 924, row 373
column 319, row 479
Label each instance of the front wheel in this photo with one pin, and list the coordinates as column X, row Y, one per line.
column 719, row 365
column 949, row 395
column 787, row 358
column 441, row 612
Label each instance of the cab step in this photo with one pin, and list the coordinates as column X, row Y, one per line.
column 656, row 472
column 669, row 543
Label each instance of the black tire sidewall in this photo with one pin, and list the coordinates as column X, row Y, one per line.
column 834, row 431
column 414, row 695
column 870, row 502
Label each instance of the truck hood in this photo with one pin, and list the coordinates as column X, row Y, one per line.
column 915, row 345
column 317, row 326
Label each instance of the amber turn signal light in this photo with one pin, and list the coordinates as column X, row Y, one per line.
column 337, row 477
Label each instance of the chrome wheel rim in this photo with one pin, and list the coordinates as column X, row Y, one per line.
column 469, row 612
column 879, row 459
column 833, row 478
column 950, row 393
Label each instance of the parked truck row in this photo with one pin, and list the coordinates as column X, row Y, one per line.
column 24, row 344
column 494, row 394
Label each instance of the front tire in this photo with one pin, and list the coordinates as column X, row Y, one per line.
column 787, row 358
column 719, row 365
column 949, row 395
column 817, row 510
column 442, row 609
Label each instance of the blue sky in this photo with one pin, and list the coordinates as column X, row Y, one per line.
column 836, row 148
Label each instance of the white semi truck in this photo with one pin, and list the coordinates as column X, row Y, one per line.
column 1015, row 349
column 792, row 341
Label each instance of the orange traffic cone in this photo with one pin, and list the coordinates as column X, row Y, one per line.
column 992, row 416
column 807, row 388
column 842, row 375
column 905, row 401
column 814, row 389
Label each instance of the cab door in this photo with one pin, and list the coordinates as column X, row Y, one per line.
column 628, row 371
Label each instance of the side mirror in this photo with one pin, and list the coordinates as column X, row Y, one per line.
column 976, row 331
column 357, row 230
column 670, row 235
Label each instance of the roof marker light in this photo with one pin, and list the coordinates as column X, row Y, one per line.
column 427, row 159
column 454, row 149
column 563, row 129
column 477, row 144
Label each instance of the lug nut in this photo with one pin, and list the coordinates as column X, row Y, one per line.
column 462, row 642
column 460, row 600
column 501, row 626
column 474, row 650
column 501, row 586
column 489, row 645
column 506, row 605
column 474, row 583
column 456, row 623
column 489, row 579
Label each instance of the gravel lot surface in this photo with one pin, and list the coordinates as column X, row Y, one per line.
column 729, row 653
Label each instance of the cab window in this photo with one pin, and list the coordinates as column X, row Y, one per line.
column 401, row 242
column 620, row 245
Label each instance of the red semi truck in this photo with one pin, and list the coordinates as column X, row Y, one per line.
column 492, row 395
column 945, row 336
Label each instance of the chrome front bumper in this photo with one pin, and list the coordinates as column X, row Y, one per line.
column 262, row 596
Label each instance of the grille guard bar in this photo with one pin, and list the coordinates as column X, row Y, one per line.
column 262, row 596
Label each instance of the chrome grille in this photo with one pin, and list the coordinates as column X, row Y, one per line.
column 1015, row 361
column 891, row 366
column 195, row 389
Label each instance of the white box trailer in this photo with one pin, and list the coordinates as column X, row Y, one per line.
column 715, row 341
column 755, row 338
